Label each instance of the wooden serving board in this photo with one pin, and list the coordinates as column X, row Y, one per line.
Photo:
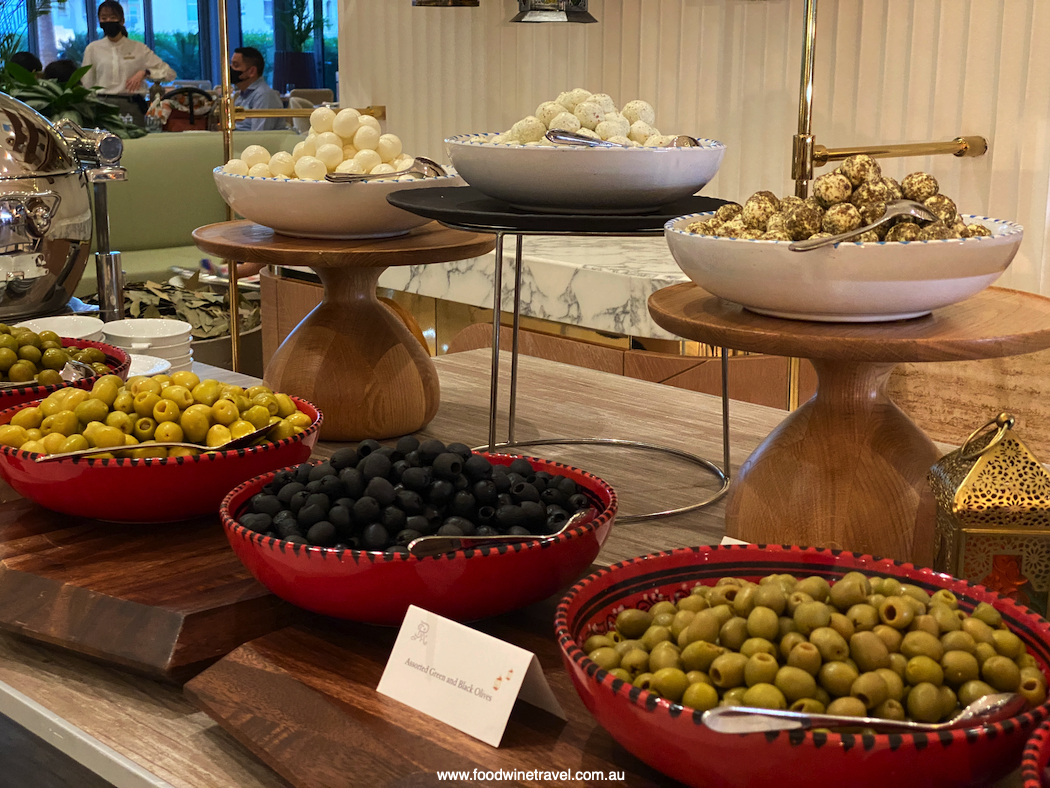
column 164, row 600
column 303, row 700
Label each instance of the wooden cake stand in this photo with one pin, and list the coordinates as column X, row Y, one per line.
column 351, row 356
column 848, row 468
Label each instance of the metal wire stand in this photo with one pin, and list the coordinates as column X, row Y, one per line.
column 720, row 474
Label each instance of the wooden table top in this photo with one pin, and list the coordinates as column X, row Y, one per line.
column 248, row 242
column 151, row 727
column 994, row 323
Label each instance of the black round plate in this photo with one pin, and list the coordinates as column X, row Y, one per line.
column 465, row 206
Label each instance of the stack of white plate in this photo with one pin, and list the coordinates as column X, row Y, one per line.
column 72, row 326
column 157, row 337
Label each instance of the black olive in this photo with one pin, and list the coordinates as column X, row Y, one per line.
column 465, row 526
column 298, row 501
column 259, row 522
column 429, row 450
column 514, row 478
column 320, row 471
column 374, row 537
column 579, row 501
column 302, row 472
column 477, row 468
column 461, row 482
column 286, row 493
column 396, row 549
column 366, row 511
column 485, row 515
column 287, row 528
column 538, row 482
column 397, row 469
column 535, row 514
column 463, row 504
column 406, row 536
column 407, row 444
column 462, row 449
column 354, row 542
column 440, row 492
column 518, row 530
column 321, row 534
column 448, row 465
column 319, row 499
column 367, row 446
column 346, row 503
column 270, row 489
column 556, row 510
column 342, row 518
column 266, row 504
column 418, row 522
column 416, row 478
column 345, row 458
column 410, row 502
column 523, row 491
column 413, row 459
column 389, row 453
column 380, row 489
column 509, row 516
column 353, row 481
column 556, row 521
column 486, row 530
column 375, row 465
column 501, row 482
column 434, row 513
column 282, row 478
column 554, row 496
column 522, row 466
column 393, row 519
column 449, row 530
column 296, row 539
column 314, row 486
column 504, row 499
column 485, row 492
column 309, row 515
column 283, row 516
column 332, row 487
column 567, row 486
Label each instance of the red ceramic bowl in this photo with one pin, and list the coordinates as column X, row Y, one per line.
column 673, row 739
column 1036, row 755
column 466, row 585
column 116, row 359
column 150, row 490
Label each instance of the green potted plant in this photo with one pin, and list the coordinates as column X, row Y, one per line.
column 293, row 62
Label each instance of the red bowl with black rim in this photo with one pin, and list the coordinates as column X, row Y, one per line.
column 673, row 739
column 152, row 489
column 466, row 585
column 117, row 360
column 1036, row 755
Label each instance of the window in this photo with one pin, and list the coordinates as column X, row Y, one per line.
column 268, row 11
column 191, row 11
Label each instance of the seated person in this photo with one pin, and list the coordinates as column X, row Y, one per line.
column 27, row 60
column 60, row 71
column 253, row 92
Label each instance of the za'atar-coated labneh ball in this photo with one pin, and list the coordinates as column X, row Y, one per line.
column 919, row 186
column 841, row 218
column 869, row 192
column 758, row 208
column 832, row 188
column 804, row 221
column 942, row 207
column 861, row 169
column 905, row 231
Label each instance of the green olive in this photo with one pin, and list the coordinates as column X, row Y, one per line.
column 621, row 674
column 894, row 683
column 593, row 643
column 643, row 681
column 1002, row 673
column 763, row 623
column 694, row 603
column 671, row 683
column 662, row 620
column 988, row 614
column 898, row 663
column 816, row 587
column 926, row 623
column 808, row 706
column 805, row 656
column 842, row 625
column 889, row 709
column 704, row 626
column 896, row 613
column 631, row 623
column 890, row 636
column 727, row 670
column 810, row 616
column 849, row 591
column 949, row 701
column 733, row 697
column 923, row 670
column 745, row 601
column 722, row 612
column 918, row 643
column 625, row 646
column 1007, row 643
column 724, row 595
column 847, row 706
column 636, row 661
column 959, row 667
column 788, row 643
column 916, row 593
column 868, row 651
column 945, row 617
column 785, row 625
column 698, row 675
column 924, row 702
column 700, row 696
column 831, row 645
column 771, row 596
column 765, row 696
column 662, row 607
column 734, row 632
column 668, row 657
column 864, row 617
column 1026, row 661
column 1033, row 690
column 699, row 655
column 870, row 689
column 982, row 651
column 795, row 683
column 654, row 635
column 760, row 669
column 972, row 690
column 958, row 641
column 753, row 646
column 980, row 630
column 606, row 657
column 680, row 623
column 945, row 597
column 837, row 678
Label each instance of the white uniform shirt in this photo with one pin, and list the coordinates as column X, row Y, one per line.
column 114, row 63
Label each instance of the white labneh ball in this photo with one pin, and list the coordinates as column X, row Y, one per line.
column 305, row 148
column 621, row 121
column 589, row 115
column 351, row 167
column 619, row 139
column 367, row 158
column 322, row 118
column 331, row 155
column 381, row 169
column 639, row 110
column 578, row 96
column 255, row 154
column 589, row 133
column 565, row 99
column 368, row 120
column 310, row 168
column 658, row 141
column 604, row 100
column 328, row 138
column 346, row 123
column 607, row 129
column 349, row 151
column 389, row 147
column 236, row 167
column 501, row 139
column 565, row 121
column 282, row 163
column 548, row 111
column 366, row 138
column 529, row 129
column 403, row 162
column 640, row 131
column 260, row 171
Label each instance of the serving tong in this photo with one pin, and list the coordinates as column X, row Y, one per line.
column 236, row 443
column 72, row 372
column 894, row 210
column 563, row 137
column 422, row 166
column 426, row 546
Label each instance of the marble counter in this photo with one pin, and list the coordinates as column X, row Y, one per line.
column 602, row 284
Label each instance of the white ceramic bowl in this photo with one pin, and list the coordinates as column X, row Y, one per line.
column 72, row 326
column 169, row 353
column 148, row 366
column 319, row 209
column 577, row 179
column 849, row 282
column 138, row 335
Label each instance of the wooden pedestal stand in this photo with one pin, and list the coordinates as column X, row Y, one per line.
column 351, row 356
column 848, row 468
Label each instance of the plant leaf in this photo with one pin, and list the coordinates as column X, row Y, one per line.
column 77, row 76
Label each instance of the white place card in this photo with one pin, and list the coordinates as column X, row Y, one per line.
column 731, row 540
column 463, row 677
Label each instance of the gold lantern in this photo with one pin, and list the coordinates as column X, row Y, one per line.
column 993, row 514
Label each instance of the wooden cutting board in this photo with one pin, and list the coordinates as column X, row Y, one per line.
column 164, row 600
column 303, row 700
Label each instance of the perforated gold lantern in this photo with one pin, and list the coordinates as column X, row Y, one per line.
column 993, row 514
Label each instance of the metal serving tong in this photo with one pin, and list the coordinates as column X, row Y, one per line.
column 425, row 168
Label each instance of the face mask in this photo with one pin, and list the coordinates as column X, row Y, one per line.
column 111, row 29
column 235, row 76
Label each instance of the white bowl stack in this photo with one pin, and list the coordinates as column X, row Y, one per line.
column 72, row 326
column 156, row 337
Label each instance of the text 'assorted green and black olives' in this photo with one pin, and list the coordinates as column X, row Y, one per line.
column 379, row 498
column 863, row 647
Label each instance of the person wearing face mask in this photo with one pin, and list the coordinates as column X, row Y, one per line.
column 253, row 91
column 121, row 65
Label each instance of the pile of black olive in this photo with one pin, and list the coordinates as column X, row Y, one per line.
column 378, row 498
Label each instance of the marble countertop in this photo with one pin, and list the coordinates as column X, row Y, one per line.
column 602, row 283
